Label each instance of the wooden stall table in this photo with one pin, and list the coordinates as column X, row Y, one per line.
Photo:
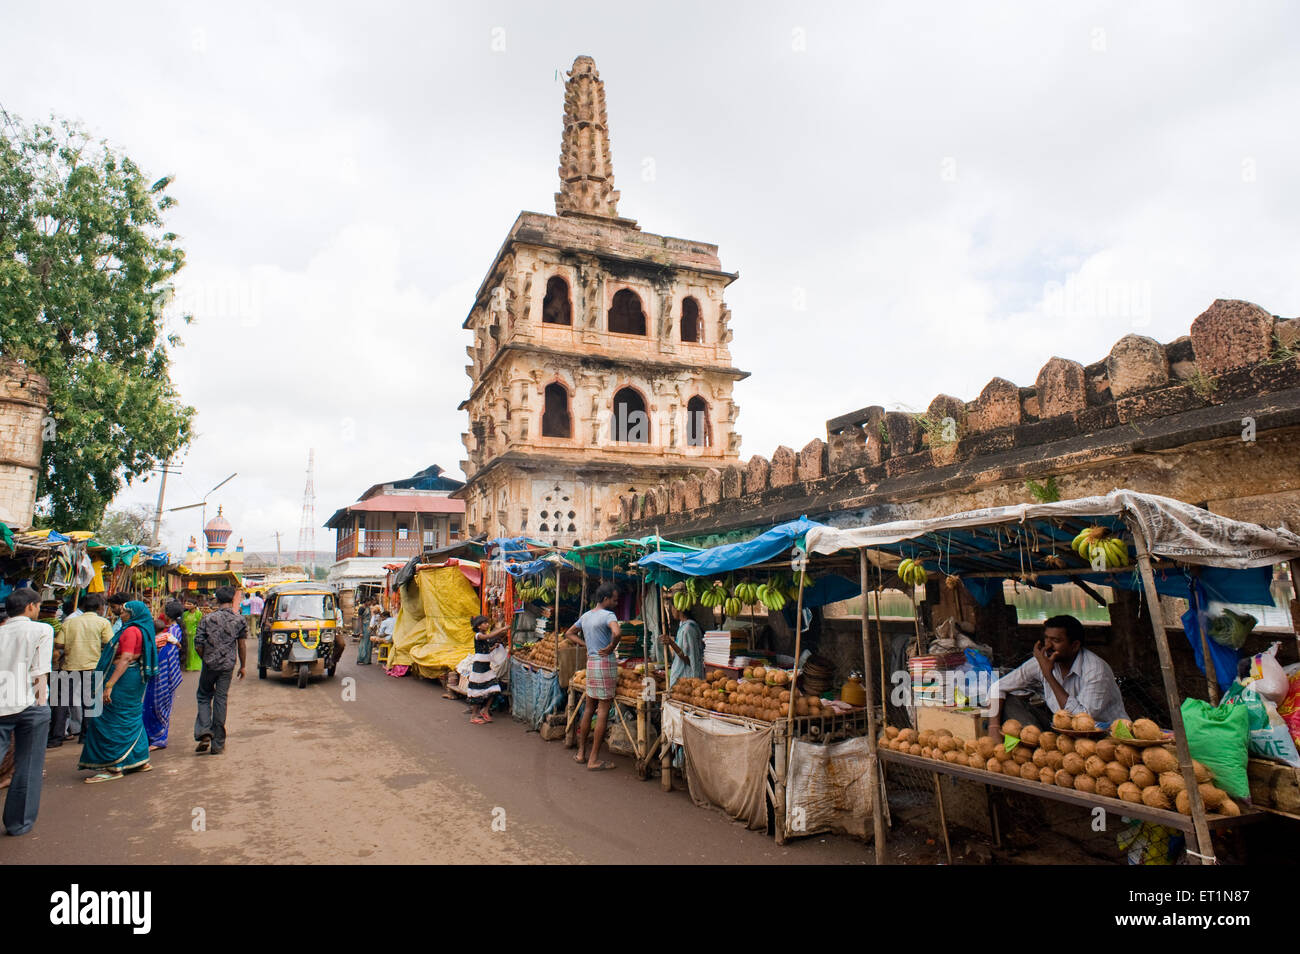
column 1170, row 819
column 646, row 711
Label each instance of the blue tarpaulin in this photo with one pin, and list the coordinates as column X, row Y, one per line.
column 669, row 568
column 1195, row 621
column 1227, row 586
column 534, row 693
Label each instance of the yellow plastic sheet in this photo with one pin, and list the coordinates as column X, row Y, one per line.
column 432, row 630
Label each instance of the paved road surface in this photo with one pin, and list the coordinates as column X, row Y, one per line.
column 397, row 775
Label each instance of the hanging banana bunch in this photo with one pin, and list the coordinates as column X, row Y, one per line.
column 714, row 596
column 772, row 596
column 1101, row 548
column 912, row 573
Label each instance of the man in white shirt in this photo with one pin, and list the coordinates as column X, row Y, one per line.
column 1069, row 677
column 26, row 653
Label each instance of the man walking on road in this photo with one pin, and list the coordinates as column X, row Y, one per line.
column 219, row 639
column 255, row 606
column 26, row 652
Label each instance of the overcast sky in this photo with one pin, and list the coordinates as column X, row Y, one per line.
column 917, row 197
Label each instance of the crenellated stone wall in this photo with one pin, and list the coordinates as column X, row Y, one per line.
column 1212, row 418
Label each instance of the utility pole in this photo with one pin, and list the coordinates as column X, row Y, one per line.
column 162, row 490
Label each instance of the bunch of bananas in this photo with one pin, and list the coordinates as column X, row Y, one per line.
column 682, row 600
column 714, row 596
column 771, row 595
column 537, row 591
column 1099, row 546
column 912, row 573
column 747, row 593
column 573, row 589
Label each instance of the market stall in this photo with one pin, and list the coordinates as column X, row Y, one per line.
column 514, row 573
column 642, row 661
column 1138, row 770
column 762, row 721
column 431, row 634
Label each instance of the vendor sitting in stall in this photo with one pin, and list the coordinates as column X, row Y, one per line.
column 687, row 649
column 1069, row 676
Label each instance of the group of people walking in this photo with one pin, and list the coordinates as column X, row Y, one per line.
column 112, row 688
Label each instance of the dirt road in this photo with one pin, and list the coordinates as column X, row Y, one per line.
column 394, row 775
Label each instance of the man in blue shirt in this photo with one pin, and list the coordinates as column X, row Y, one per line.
column 599, row 629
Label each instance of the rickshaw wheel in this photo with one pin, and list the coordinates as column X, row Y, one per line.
column 303, row 671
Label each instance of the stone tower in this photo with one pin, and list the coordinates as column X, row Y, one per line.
column 24, row 400
column 600, row 362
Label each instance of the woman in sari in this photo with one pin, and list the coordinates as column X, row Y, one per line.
column 161, row 690
column 116, row 740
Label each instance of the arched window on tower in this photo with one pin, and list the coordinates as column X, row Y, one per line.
column 699, row 429
column 556, row 421
column 557, row 307
column 631, row 424
column 625, row 314
column 691, row 320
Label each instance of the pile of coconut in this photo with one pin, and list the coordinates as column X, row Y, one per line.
column 1138, row 766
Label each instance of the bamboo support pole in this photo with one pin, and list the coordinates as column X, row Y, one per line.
column 555, row 621
column 643, row 737
column 873, row 786
column 798, row 643
column 1293, row 571
column 943, row 820
column 627, row 731
column 1211, row 671
column 779, row 756
column 781, row 752
column 1204, row 846
column 880, row 644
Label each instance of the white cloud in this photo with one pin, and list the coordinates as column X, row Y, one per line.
column 349, row 177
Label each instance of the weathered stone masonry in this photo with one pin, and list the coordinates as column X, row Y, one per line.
column 24, row 400
column 1212, row 418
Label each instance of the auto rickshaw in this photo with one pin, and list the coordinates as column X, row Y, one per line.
column 297, row 631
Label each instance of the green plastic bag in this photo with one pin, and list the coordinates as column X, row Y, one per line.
column 1216, row 736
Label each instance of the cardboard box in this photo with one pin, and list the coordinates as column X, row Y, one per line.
column 963, row 723
column 1274, row 785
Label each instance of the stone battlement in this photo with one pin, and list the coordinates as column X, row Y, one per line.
column 1120, row 421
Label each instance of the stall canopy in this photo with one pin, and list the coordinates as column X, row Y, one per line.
column 667, row 568
column 1231, row 559
column 547, row 562
column 597, row 556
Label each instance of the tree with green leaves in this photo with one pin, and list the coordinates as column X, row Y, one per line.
column 132, row 524
column 86, row 266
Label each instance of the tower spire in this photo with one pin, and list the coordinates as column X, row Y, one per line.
column 586, row 171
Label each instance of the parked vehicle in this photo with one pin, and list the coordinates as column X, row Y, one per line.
column 298, row 631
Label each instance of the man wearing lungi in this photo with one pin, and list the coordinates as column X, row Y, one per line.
column 599, row 629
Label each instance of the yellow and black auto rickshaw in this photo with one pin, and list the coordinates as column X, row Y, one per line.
column 297, row 631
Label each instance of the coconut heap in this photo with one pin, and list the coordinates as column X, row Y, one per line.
column 1112, row 767
column 762, row 693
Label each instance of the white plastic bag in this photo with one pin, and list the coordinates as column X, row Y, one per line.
column 1270, row 680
